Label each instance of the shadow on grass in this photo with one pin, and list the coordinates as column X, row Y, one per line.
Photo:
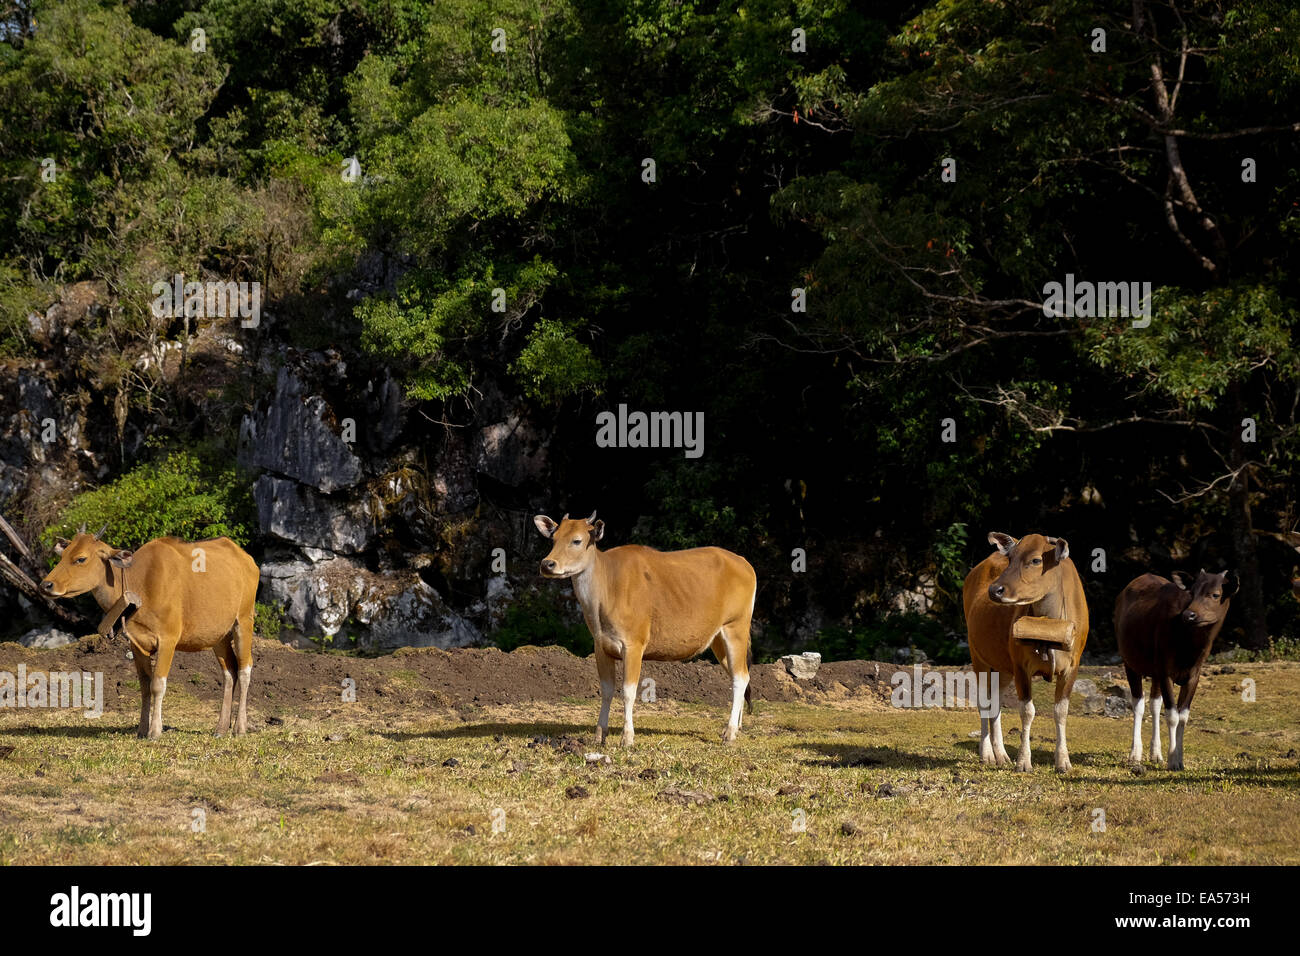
column 1256, row 777
column 529, row 730
column 845, row 756
column 78, row 730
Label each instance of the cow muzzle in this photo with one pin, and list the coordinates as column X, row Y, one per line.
column 998, row 594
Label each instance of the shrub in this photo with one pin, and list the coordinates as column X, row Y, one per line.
column 873, row 639
column 181, row 495
column 534, row 619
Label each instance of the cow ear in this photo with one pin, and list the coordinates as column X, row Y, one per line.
column 1231, row 583
column 121, row 559
column 1003, row 542
column 597, row 531
column 1183, row 580
column 545, row 525
column 1062, row 548
column 60, row 544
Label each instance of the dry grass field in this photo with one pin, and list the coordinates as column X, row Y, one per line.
column 413, row 774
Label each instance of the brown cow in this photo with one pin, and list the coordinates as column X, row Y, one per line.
column 193, row 596
column 1032, row 577
column 1165, row 630
column 640, row 603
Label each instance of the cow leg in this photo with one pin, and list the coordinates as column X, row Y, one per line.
column 162, row 666
column 632, row 651
column 242, row 645
column 992, row 750
column 1025, row 691
column 1000, row 755
column 144, row 671
column 1061, row 711
column 605, row 671
column 226, row 659
column 1139, row 708
column 1185, row 696
column 1171, row 719
column 1156, row 754
column 736, row 638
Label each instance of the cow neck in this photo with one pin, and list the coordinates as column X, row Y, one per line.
column 1053, row 604
column 114, row 585
column 584, row 584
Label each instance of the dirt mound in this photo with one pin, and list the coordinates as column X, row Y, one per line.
column 464, row 677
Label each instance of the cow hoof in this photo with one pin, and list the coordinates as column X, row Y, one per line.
column 1172, row 765
column 1064, row 767
column 1024, row 766
column 627, row 740
column 1002, row 760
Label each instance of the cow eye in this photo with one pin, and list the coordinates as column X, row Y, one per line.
column 1215, row 594
column 1036, row 561
column 80, row 561
column 577, row 541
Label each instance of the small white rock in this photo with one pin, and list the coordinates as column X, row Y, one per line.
column 802, row 666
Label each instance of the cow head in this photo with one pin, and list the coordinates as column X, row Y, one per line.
column 575, row 544
column 1210, row 594
column 83, row 564
column 1033, row 568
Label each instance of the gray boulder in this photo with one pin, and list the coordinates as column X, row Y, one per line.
column 802, row 666
column 45, row 638
column 297, row 514
column 296, row 435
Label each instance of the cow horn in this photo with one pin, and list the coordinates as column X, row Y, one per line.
column 100, row 533
column 592, row 518
column 566, row 517
column 82, row 529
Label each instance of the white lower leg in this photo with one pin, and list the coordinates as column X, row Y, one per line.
column 245, row 675
column 1139, row 711
column 606, row 698
column 1175, row 752
column 1061, row 710
column 1177, row 748
column 999, row 748
column 738, row 685
column 629, row 698
column 1156, row 703
column 1024, row 761
column 159, row 688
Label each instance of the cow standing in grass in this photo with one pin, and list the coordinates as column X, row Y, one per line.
column 1166, row 630
column 191, row 597
column 643, row 604
column 1029, row 577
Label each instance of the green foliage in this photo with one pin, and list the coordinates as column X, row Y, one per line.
column 535, row 619
column 554, row 364
column 1200, row 343
column 180, row 495
column 877, row 639
column 268, row 621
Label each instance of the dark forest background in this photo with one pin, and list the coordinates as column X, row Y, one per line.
column 1161, row 150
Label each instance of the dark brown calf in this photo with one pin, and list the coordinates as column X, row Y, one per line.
column 1165, row 631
